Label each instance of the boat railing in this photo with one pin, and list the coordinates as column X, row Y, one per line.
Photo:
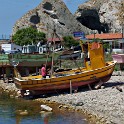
column 20, row 79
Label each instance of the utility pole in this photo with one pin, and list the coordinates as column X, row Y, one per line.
column 123, row 37
column 94, row 35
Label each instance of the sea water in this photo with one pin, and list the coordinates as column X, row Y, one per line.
column 10, row 113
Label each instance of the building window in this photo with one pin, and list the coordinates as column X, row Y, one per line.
column 115, row 45
column 121, row 45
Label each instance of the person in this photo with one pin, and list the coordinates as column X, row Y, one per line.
column 43, row 71
column 2, row 51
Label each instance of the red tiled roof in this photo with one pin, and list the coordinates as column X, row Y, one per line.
column 105, row 36
column 77, row 38
column 54, row 39
column 60, row 39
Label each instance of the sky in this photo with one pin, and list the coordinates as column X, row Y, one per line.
column 12, row 10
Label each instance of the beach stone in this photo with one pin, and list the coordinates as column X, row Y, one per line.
column 25, row 112
column 102, row 87
column 60, row 106
column 42, row 112
column 11, row 96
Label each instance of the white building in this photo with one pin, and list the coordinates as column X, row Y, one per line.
column 11, row 47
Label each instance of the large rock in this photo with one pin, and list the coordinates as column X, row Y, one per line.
column 102, row 15
column 49, row 15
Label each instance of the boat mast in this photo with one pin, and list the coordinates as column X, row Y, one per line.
column 70, row 54
column 51, row 73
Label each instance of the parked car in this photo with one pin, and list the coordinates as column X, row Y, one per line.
column 12, row 51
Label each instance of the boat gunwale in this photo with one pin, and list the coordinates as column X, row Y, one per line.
column 112, row 63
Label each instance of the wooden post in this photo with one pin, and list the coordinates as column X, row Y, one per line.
column 70, row 87
column 52, row 66
column 99, row 84
column 94, row 35
column 36, row 70
column 89, row 87
column 3, row 72
column 60, row 62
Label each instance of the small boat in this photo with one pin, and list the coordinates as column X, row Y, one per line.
column 32, row 60
column 118, row 57
column 70, row 55
column 27, row 60
column 27, row 63
column 96, row 70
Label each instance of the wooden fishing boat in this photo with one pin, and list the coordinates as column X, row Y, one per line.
column 96, row 70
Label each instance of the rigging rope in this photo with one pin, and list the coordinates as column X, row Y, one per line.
column 69, row 54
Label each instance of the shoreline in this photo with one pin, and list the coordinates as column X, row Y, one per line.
column 102, row 106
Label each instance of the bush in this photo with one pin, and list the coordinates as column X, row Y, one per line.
column 28, row 36
column 69, row 41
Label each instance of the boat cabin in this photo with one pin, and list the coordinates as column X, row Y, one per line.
column 94, row 54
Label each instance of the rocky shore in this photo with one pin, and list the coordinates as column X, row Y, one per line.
column 9, row 88
column 106, row 105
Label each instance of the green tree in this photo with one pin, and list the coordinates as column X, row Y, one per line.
column 97, row 40
column 28, row 36
column 70, row 41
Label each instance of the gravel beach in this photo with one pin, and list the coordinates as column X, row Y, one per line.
column 106, row 103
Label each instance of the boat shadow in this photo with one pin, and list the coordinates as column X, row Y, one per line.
column 112, row 84
column 80, row 90
column 57, row 93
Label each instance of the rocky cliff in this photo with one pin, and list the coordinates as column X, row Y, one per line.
column 49, row 15
column 102, row 15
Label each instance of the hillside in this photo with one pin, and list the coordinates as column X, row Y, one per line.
column 102, row 15
column 49, row 15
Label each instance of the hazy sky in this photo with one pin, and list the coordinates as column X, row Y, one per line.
column 12, row 10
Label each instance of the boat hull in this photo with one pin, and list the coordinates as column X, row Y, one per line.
column 32, row 60
column 74, row 55
column 78, row 79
